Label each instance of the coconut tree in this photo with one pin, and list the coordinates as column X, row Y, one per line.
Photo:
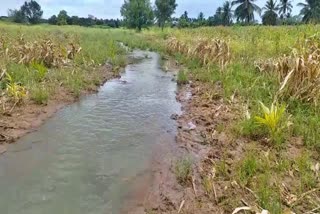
column 217, row 18
column 285, row 8
column 226, row 13
column 310, row 11
column 270, row 15
column 245, row 10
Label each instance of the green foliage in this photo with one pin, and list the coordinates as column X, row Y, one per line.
column 17, row 16
column 182, row 78
column 310, row 11
column 40, row 70
column 164, row 10
column 273, row 120
column 245, row 10
column 137, row 13
column 248, row 167
column 39, row 94
column 227, row 14
column 268, row 196
column 307, row 177
column 270, row 16
column 62, row 18
column 285, row 8
column 183, row 170
column 32, row 11
column 15, row 90
column 53, row 20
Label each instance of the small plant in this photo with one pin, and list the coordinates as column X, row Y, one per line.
column 183, row 170
column 308, row 179
column 248, row 167
column 15, row 90
column 268, row 194
column 208, row 181
column 182, row 78
column 40, row 69
column 273, row 120
column 39, row 95
column 207, row 184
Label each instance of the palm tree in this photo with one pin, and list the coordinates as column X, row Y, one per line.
column 271, row 5
column 226, row 13
column 245, row 10
column 217, row 18
column 285, row 8
column 270, row 15
column 310, row 11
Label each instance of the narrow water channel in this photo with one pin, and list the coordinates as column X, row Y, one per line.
column 84, row 159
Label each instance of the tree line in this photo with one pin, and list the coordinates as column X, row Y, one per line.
column 30, row 12
column 141, row 13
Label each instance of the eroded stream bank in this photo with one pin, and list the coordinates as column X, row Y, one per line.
column 85, row 158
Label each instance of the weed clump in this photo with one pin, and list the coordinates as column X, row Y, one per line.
column 40, row 95
column 182, row 78
column 183, row 170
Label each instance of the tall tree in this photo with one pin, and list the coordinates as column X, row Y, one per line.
column 184, row 20
column 17, row 16
column 62, row 18
column 53, row 20
column 310, row 11
column 217, row 18
column 285, row 8
column 270, row 15
column 227, row 13
column 137, row 13
column 201, row 20
column 32, row 11
column 164, row 10
column 245, row 10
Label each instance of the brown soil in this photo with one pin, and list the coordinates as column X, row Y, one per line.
column 28, row 116
column 167, row 195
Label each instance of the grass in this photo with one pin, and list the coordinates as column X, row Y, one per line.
column 183, row 170
column 182, row 77
column 248, row 167
column 40, row 95
column 42, row 58
column 265, row 167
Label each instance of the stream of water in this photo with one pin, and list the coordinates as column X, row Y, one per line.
column 85, row 158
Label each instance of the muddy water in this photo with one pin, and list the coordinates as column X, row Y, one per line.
column 85, row 158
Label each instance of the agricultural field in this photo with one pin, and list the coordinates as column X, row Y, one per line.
column 43, row 65
column 255, row 102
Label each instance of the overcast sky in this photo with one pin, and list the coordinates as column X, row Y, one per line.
column 111, row 8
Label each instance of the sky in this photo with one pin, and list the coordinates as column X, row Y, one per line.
column 111, row 8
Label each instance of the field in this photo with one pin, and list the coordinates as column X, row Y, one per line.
column 255, row 101
column 43, row 65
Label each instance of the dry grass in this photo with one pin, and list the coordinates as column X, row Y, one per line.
column 299, row 72
column 208, row 51
column 44, row 50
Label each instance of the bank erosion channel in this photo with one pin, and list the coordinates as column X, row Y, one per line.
column 84, row 159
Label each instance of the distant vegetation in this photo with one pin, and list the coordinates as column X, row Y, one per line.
column 139, row 14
